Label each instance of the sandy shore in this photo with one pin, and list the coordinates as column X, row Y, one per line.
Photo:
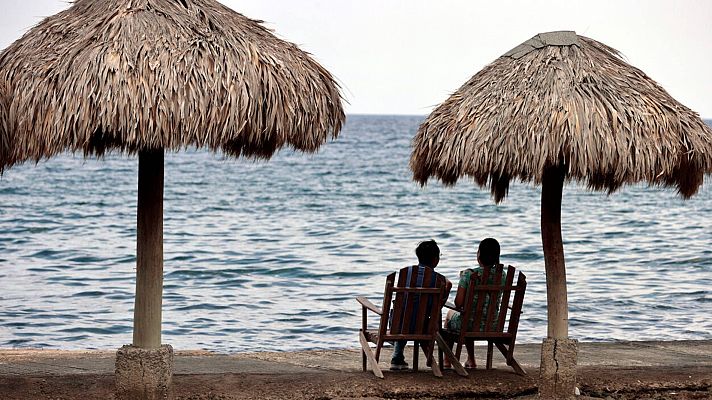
column 629, row 370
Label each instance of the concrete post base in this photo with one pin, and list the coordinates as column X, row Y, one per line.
column 144, row 374
column 557, row 374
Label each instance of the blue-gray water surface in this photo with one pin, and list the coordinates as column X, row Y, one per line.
column 270, row 255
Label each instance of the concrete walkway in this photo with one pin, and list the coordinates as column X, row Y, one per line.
column 613, row 355
column 625, row 370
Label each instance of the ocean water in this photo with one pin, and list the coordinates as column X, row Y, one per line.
column 270, row 255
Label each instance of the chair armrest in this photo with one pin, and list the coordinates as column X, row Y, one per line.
column 366, row 303
column 451, row 306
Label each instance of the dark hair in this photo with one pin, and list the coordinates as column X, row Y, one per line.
column 427, row 251
column 489, row 251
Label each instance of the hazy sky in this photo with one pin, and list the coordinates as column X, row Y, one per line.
column 406, row 56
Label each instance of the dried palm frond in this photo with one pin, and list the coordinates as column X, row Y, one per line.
column 131, row 75
column 562, row 100
column 4, row 134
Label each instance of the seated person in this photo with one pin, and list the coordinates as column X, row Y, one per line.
column 487, row 257
column 428, row 254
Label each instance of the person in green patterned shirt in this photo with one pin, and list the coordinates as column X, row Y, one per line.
column 487, row 257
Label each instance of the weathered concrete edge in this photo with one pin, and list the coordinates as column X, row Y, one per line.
column 671, row 354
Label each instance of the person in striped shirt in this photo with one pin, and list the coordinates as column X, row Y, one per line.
column 428, row 254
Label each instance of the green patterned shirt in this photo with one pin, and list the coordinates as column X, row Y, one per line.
column 456, row 321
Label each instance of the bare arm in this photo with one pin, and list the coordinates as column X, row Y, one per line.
column 448, row 287
column 460, row 297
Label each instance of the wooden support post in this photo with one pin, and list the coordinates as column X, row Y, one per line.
column 557, row 371
column 556, row 296
column 149, row 251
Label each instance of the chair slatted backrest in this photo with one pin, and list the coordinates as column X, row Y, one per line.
column 505, row 300
column 489, row 313
column 416, row 308
column 387, row 296
column 517, row 306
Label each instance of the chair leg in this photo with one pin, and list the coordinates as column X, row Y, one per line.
column 428, row 359
column 428, row 351
column 454, row 361
column 510, row 359
column 366, row 349
column 440, row 354
column 415, row 355
column 489, row 354
column 458, row 350
column 363, row 360
column 379, row 346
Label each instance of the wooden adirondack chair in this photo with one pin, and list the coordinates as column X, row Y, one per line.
column 488, row 324
column 415, row 317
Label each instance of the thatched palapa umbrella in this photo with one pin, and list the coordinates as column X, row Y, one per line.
column 144, row 76
column 562, row 107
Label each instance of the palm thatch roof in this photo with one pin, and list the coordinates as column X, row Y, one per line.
column 563, row 100
column 133, row 75
column 4, row 135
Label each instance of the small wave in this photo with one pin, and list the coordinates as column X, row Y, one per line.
column 44, row 269
column 177, row 331
column 351, row 274
column 232, row 283
column 17, row 342
column 203, row 306
column 51, row 315
column 89, row 294
column 69, row 282
column 523, row 256
column 320, row 329
column 120, row 296
column 233, row 330
column 75, row 338
column 87, row 260
column 112, row 330
column 291, row 272
column 48, row 254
